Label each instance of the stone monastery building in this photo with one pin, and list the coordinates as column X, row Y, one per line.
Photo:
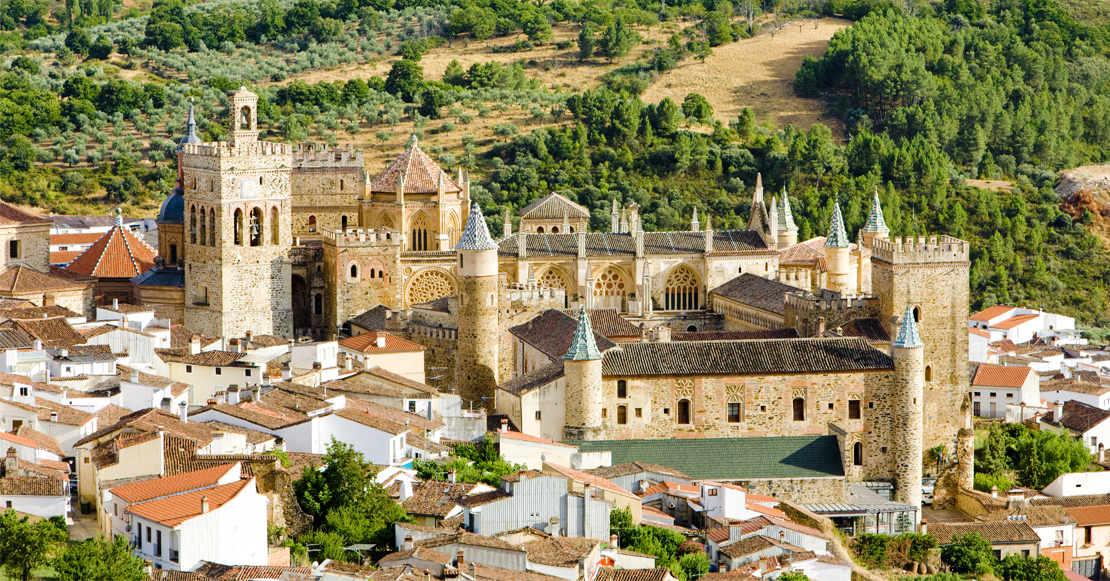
column 573, row 334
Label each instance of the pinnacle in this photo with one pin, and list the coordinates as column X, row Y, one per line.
column 582, row 346
column 838, row 237
column 875, row 220
column 908, row 336
column 475, row 236
column 786, row 216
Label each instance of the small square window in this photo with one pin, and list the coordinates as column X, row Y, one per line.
column 604, row 412
column 762, row 408
column 831, row 406
column 1010, row 395
column 976, row 394
column 219, row 371
column 8, row 504
column 538, row 415
column 870, row 405
column 639, row 412
column 666, row 411
column 246, row 372
column 712, row 492
column 86, row 461
column 993, row 394
column 188, row 369
column 883, row 449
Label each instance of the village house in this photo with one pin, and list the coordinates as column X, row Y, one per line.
column 1021, row 325
column 532, row 498
column 1087, row 423
column 994, row 387
column 1007, row 537
column 387, row 351
column 122, row 497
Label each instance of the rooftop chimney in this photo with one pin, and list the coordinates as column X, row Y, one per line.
column 460, row 560
column 924, row 527
column 233, row 345
column 408, row 543
column 663, row 334
column 48, row 300
column 194, row 345
column 183, row 411
column 504, row 425
column 451, row 477
column 1058, row 411
column 54, row 416
column 232, row 394
column 1015, row 498
column 762, row 565
column 473, row 570
column 286, row 372
column 134, row 376
column 115, row 304
column 249, row 335
column 380, row 342
column 38, row 344
column 204, row 505
column 406, row 490
column 265, row 379
column 167, row 405
column 820, row 326
column 613, row 541
column 348, row 362
column 994, row 492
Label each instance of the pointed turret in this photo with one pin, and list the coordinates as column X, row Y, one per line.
column 758, row 220
column 478, row 309
column 908, row 338
column 507, row 229
column 837, row 258
column 190, row 129
column 475, row 235
column 907, row 431
column 838, row 237
column 615, row 217
column 788, row 230
column 876, row 227
column 583, row 347
column 695, row 226
column 582, row 367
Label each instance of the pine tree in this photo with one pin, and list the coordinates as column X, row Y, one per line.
column 586, row 42
column 616, row 41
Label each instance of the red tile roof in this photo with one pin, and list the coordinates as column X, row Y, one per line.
column 14, row 439
column 367, row 343
column 1014, row 321
column 159, row 487
column 175, row 510
column 979, row 332
column 534, row 439
column 421, row 174
column 10, row 215
column 1001, row 376
column 989, row 313
column 21, row 279
column 44, row 441
column 78, row 238
column 53, row 332
column 32, row 486
column 117, row 254
column 577, row 476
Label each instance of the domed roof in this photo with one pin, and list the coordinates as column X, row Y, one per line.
column 173, row 209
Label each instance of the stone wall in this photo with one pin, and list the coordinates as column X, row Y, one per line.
column 478, row 339
column 801, row 490
column 361, row 271
column 33, row 248
column 801, row 312
column 168, row 302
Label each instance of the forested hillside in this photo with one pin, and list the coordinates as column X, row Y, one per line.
column 95, row 97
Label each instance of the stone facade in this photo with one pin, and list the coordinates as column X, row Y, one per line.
column 808, row 490
column 360, row 268
column 906, row 433
column 478, row 340
column 31, row 244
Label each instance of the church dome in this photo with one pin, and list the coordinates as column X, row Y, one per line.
column 173, row 209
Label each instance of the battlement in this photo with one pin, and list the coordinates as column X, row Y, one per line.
column 918, row 250
column 808, row 302
column 363, row 238
column 318, row 155
column 225, row 149
column 517, row 292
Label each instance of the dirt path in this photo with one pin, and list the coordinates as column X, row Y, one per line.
column 757, row 73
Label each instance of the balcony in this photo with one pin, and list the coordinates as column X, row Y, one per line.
column 157, row 550
column 174, row 556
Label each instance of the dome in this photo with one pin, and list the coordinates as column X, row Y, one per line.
column 173, row 209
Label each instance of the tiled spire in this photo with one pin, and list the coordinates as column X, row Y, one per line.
column 908, row 338
column 875, row 221
column 786, row 216
column 582, row 346
column 837, row 238
column 190, row 129
column 475, row 236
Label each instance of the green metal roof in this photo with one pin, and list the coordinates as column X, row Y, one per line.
column 731, row 458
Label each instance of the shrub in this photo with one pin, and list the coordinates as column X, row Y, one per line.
column 984, row 482
column 970, row 553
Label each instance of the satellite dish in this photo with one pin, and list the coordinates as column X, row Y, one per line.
column 127, row 528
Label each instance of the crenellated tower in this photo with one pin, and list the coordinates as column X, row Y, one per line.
column 476, row 254
column 237, row 229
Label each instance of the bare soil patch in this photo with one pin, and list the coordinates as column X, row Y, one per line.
column 991, row 184
column 758, row 73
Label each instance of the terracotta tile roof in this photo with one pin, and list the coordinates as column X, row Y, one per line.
column 43, row 408
column 181, row 457
column 257, row 413
column 180, row 335
column 624, row 244
column 608, row 322
column 176, row 387
column 21, row 279
column 56, row 469
column 31, row 486
column 11, row 216
column 14, row 439
column 117, row 254
column 1002, row 532
column 736, row 575
column 55, row 465
column 1089, row 515
column 1036, row 515
column 437, row 498
column 367, row 343
column 372, row 375
column 465, row 538
column 483, row 498
column 583, row 477
column 53, row 332
column 422, row 553
column 37, row 312
column 419, row 442
column 745, row 547
column 171, row 485
column 1074, row 386
column 421, row 174
column 204, row 358
column 735, row 335
column 757, row 357
column 989, row 376
column 979, row 332
column 82, row 353
column 439, row 305
column 217, row 572
column 804, row 255
column 671, row 487
column 749, row 289
column 1079, row 416
column 1071, row 501
column 12, row 337
column 559, row 551
column 610, row 574
column 553, row 207
column 43, row 441
column 631, row 468
column 488, row 573
column 252, row 436
column 764, row 509
column 1014, row 321
column 150, row 420
column 174, row 510
column 869, row 328
column 78, row 238
column 529, row 438
column 110, row 414
column 414, row 421
column 535, row 379
column 989, row 313
column 373, row 319
column 378, row 423
column 552, row 333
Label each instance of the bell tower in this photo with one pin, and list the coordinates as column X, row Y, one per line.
column 237, row 230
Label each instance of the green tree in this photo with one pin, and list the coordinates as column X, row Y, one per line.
column 412, row 50
column 666, row 117
column 355, row 91
column 697, row 107
column 99, row 560
column 455, row 74
column 793, row 576
column 534, row 24
column 432, row 100
column 615, row 41
column 969, row 553
column 326, row 30
column 745, row 123
column 694, row 565
column 78, row 41
column 1039, row 568
column 102, row 48
column 26, row 546
column 404, row 79
column 586, row 43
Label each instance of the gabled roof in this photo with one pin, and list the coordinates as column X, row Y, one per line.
column 373, row 319
column 1000, row 532
column 151, row 420
column 421, row 553
column 174, row 510
column 1079, row 416
column 585, row 478
column 553, row 207
column 750, row 289
column 989, row 313
column 43, row 408
column 169, row 486
column 535, row 379
column 44, row 441
column 1086, row 516
column 33, row 312
column 559, row 551
column 437, row 498
column 421, row 175
column 553, row 331
column 608, row 322
column 31, row 486
column 1014, row 321
column 21, row 279
column 367, row 343
column 803, row 254
column 118, row 254
column 530, row 438
column 217, row 572
column 11, row 216
column 53, row 332
column 1001, row 376
column 630, row 468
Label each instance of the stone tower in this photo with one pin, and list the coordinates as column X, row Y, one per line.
column 788, row 230
column 478, row 306
column 909, row 393
column 836, row 255
column 237, row 230
column 930, row 275
column 582, row 367
column 875, row 228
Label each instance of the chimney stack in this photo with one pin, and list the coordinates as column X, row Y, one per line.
column 460, row 560
column 250, row 336
column 504, row 425
column 380, row 342
column 994, row 492
column 408, row 543
column 406, row 490
column 613, row 541
column 194, row 345
column 348, row 362
column 924, row 527
column 204, row 505
column 762, row 565
column 183, row 410
column 1058, row 411
column 1014, row 498
column 115, row 304
column 233, row 394
column 233, row 345
column 820, row 326
column 48, row 300
column 54, row 416
column 134, row 376
column 663, row 334
column 265, row 379
column 451, row 476
column 167, row 405
column 286, row 372
column 473, row 570
column 38, row 344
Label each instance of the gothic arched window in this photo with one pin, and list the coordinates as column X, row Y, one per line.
column 419, row 235
column 681, row 290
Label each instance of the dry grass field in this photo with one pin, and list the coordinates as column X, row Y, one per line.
column 757, row 73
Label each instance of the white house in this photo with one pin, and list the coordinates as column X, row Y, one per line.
column 213, row 371
column 43, row 497
column 319, row 358
column 139, row 391
column 978, row 347
column 65, row 424
column 518, row 448
column 139, row 345
column 727, row 501
column 1075, row 388
column 81, row 360
column 822, row 567
column 1078, row 484
column 117, row 500
column 223, row 524
column 1053, row 524
column 385, row 350
column 995, row 386
column 132, row 316
column 534, row 499
column 1020, row 325
column 27, row 449
column 1085, row 422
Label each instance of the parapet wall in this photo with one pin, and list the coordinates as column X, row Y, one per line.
column 318, row 155
column 358, row 237
column 918, row 249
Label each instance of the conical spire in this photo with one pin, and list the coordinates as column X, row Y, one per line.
column 582, row 346
column 412, row 141
column 908, row 337
column 190, row 129
column 758, row 187
column 837, row 238
column 875, row 220
column 475, row 236
column 786, row 216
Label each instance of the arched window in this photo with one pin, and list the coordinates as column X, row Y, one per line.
column 354, row 271
column 312, row 223
column 684, row 411
column 318, row 304
column 373, row 273
column 343, row 222
column 572, row 229
column 212, row 227
column 554, row 229
column 193, row 224
column 539, row 230
column 799, row 409
column 203, row 237
column 916, row 315
column 622, row 414
column 622, row 388
column 740, row 270
column 238, row 227
column 928, row 373
column 419, row 235
column 681, row 290
column 257, row 227
column 691, row 329
column 275, row 229
column 245, row 118
column 610, row 290
column 260, row 180
column 341, row 185
column 857, row 454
